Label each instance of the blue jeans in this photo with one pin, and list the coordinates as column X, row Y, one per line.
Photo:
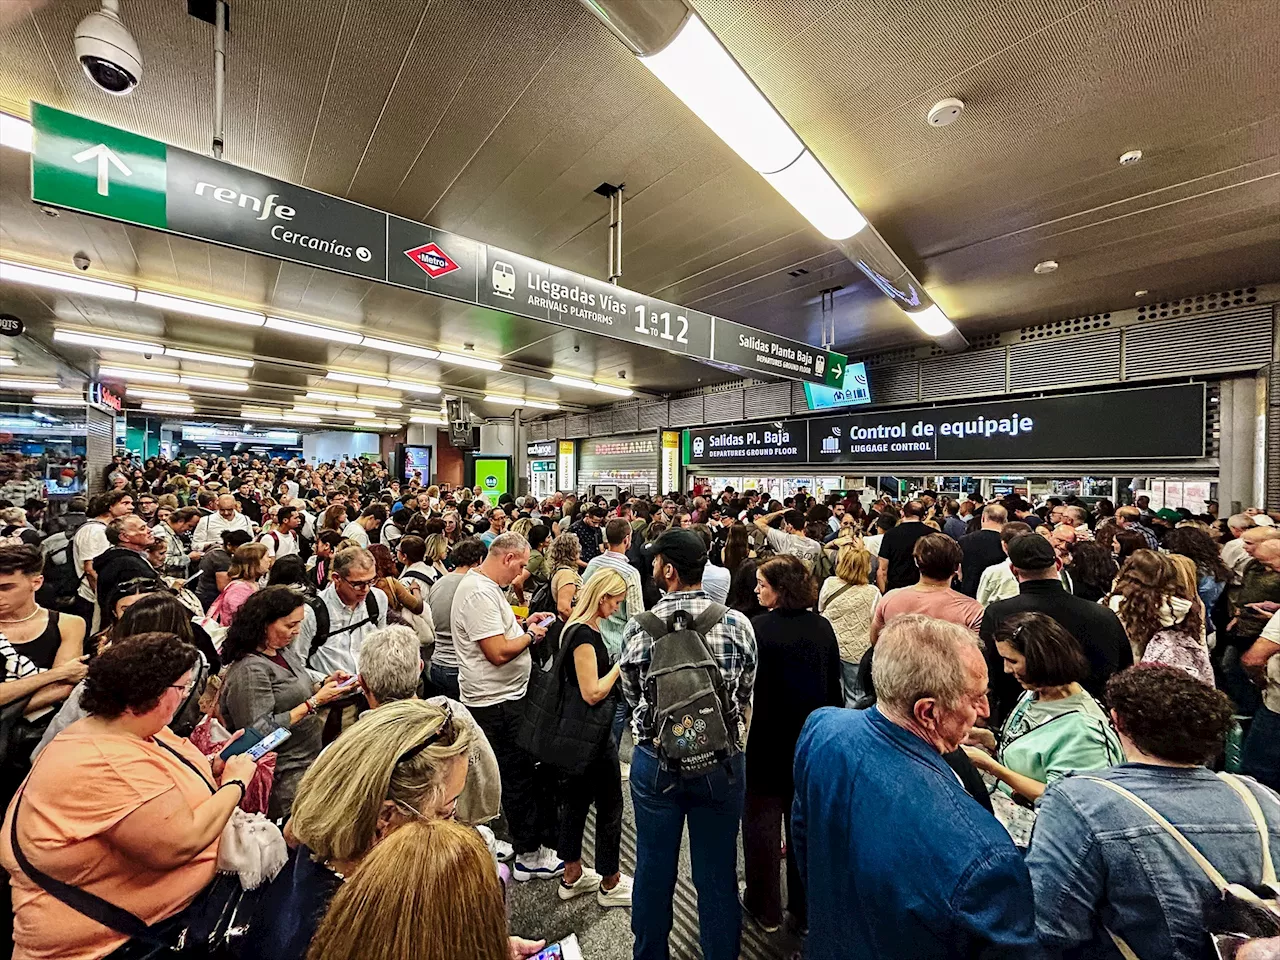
column 849, row 677
column 445, row 680
column 1260, row 758
column 713, row 806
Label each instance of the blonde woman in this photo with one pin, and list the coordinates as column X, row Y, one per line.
column 590, row 677
column 562, row 561
column 248, row 566
column 522, row 527
column 849, row 601
column 429, row 890
column 402, row 763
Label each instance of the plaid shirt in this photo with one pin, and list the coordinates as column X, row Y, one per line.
column 1147, row 534
column 732, row 643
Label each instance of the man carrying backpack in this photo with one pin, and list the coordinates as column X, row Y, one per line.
column 688, row 760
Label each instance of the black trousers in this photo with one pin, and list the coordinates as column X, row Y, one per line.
column 601, row 784
column 528, row 787
column 766, row 820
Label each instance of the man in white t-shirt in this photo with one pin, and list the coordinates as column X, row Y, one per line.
column 493, row 676
column 208, row 533
column 283, row 540
column 89, row 543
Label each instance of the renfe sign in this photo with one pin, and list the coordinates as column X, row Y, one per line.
column 1137, row 424
column 88, row 166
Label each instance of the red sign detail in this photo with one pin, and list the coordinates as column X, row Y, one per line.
column 434, row 261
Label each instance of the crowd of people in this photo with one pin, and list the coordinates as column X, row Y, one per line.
column 938, row 728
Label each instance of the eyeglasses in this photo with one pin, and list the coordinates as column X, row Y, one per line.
column 444, row 730
column 359, row 584
column 184, row 687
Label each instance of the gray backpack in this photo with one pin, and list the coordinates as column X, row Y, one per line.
column 686, row 693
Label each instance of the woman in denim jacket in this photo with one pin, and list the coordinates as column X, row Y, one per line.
column 1101, row 867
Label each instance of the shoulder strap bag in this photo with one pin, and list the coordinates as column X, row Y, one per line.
column 1240, row 910
column 559, row 727
column 832, row 599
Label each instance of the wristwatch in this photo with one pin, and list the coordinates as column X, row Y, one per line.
column 313, row 705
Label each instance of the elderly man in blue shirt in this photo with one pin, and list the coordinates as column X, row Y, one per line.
column 898, row 861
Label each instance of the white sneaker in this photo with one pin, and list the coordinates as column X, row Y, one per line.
column 619, row 896
column 587, row 883
column 499, row 849
column 626, row 770
column 541, row 864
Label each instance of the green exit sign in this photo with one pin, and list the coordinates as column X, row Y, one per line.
column 88, row 166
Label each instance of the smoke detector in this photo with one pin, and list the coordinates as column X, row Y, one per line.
column 945, row 112
column 1046, row 266
column 1129, row 157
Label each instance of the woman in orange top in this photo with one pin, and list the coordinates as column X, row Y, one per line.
column 119, row 806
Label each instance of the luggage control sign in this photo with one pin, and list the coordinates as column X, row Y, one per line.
column 94, row 168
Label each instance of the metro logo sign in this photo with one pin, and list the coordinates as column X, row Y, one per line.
column 434, row 261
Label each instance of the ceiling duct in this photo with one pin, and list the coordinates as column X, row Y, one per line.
column 671, row 40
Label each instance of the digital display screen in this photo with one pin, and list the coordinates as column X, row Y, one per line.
column 854, row 391
column 417, row 459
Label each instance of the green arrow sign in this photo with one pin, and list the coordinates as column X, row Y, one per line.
column 89, row 166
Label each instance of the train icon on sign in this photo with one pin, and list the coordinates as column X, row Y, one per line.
column 504, row 280
column 698, row 446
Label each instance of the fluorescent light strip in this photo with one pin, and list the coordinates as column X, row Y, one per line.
column 207, row 358
column 200, row 308
column 169, row 407
column 409, row 386
column 810, row 189
column 304, row 329
column 391, row 346
column 213, row 383
column 15, row 133
column 58, row 400
column 66, row 282
column 33, row 384
column 932, row 321
column 332, row 397
column 303, row 418
column 519, row 402
column 107, row 343
column 8, row 362
column 615, row 391
column 433, row 421
column 464, row 361
column 356, row 414
column 307, row 408
column 361, row 378
column 128, row 373
column 379, row 402
column 157, row 394
column 591, row 385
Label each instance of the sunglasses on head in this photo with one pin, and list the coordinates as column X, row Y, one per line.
column 444, row 730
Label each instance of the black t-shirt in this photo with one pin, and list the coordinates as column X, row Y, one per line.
column 981, row 550
column 580, row 634
column 897, row 547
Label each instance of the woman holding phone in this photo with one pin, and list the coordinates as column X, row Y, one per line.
column 267, row 686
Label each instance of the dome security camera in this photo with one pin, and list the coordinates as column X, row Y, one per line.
column 107, row 51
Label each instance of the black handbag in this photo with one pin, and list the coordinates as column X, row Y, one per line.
column 559, row 727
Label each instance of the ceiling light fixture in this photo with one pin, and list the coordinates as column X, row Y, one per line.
column 332, row 397
column 379, row 402
column 58, row 400
column 15, row 133
column 361, row 378
column 520, row 402
column 107, row 343
column 146, row 394
column 932, row 321
column 355, row 414
column 409, row 386
column 169, row 407
column 213, row 383
column 1046, row 266
column 309, row 408
column 1130, row 156
column 697, row 68
column 591, row 385
column 200, row 308
column 391, row 346
column 208, row 358
column 33, row 384
column 433, row 421
column 66, row 282
column 303, row 418
column 1141, row 293
column 314, row 330
column 465, row 361
column 8, row 362
column 128, row 373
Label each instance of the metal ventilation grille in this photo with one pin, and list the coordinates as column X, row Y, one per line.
column 579, row 426
column 601, row 423
column 686, row 412
column 1065, row 362
column 558, row 429
column 1058, row 328
column 724, row 407
column 538, row 430
column 1231, row 340
column 653, row 416
column 99, row 445
column 1222, row 300
column 1273, row 454
column 626, row 418
column 965, row 375
column 767, row 400
column 896, row 384
column 891, row 356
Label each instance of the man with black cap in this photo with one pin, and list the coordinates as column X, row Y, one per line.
column 1098, row 631
column 662, row 799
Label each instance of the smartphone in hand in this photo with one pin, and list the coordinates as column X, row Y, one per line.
column 268, row 743
column 566, row 949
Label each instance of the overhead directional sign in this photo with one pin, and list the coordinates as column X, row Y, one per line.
column 95, row 168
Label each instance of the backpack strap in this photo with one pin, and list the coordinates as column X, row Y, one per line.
column 709, row 617
column 1210, row 871
column 652, row 624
